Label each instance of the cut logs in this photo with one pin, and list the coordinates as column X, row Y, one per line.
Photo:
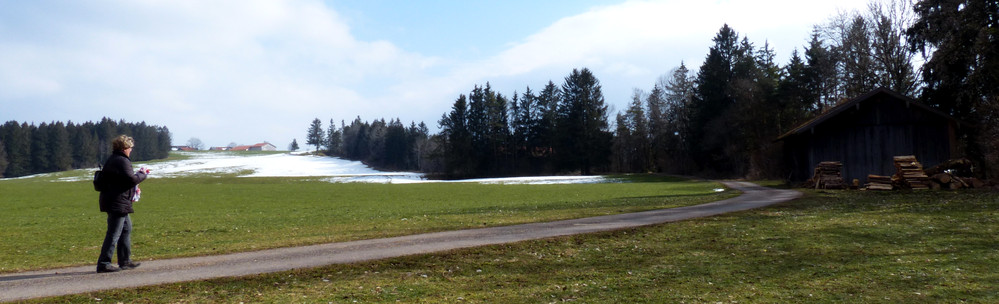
column 828, row 175
column 878, row 182
column 910, row 173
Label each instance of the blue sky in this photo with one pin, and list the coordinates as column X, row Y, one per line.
column 259, row 70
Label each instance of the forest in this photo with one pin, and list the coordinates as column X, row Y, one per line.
column 27, row 149
column 718, row 121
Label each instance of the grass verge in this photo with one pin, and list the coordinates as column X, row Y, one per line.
column 853, row 247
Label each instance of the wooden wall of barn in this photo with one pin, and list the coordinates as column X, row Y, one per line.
column 866, row 136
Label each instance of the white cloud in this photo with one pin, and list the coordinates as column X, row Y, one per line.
column 199, row 67
column 631, row 44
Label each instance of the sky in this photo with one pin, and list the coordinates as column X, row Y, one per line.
column 249, row 71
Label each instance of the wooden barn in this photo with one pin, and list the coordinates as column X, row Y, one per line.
column 866, row 132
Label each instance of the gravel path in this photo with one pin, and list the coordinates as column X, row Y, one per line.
column 55, row 282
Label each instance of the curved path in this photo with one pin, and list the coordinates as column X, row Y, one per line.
column 55, row 282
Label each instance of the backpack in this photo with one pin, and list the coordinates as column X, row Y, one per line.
column 98, row 181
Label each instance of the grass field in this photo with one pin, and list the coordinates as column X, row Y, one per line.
column 51, row 224
column 837, row 247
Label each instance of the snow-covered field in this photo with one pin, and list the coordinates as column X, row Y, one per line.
column 327, row 168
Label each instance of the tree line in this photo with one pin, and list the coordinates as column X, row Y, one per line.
column 384, row 145
column 558, row 129
column 722, row 119
column 488, row 134
column 27, row 149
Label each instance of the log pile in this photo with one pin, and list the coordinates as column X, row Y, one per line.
column 910, row 173
column 828, row 175
column 950, row 181
column 878, row 182
column 957, row 167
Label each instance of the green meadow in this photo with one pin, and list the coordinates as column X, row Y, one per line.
column 50, row 223
column 828, row 247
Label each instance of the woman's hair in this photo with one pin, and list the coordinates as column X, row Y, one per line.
column 122, row 142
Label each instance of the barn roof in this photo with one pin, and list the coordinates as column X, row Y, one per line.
column 808, row 125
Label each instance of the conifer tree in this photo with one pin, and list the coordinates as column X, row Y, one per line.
column 334, row 139
column 456, row 139
column 3, row 158
column 585, row 141
column 62, row 154
column 315, row 134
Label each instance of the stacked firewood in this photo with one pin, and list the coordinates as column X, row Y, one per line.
column 951, row 175
column 878, row 182
column 828, row 175
column 947, row 181
column 951, row 181
column 910, row 173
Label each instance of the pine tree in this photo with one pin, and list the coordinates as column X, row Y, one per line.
column 315, row 134
column 84, row 145
column 821, row 70
column 795, row 99
column 59, row 145
column 711, row 122
column 858, row 66
column 583, row 127
column 457, row 139
column 17, row 141
column 334, row 139
column 497, row 133
column 678, row 92
column 546, row 129
column 3, row 158
column 396, row 146
column 294, row 145
column 41, row 155
column 631, row 143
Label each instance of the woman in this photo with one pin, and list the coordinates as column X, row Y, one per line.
column 116, row 200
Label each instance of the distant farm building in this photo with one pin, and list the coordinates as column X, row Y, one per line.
column 264, row 146
column 182, row 148
column 866, row 132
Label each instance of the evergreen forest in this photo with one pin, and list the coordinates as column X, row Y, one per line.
column 27, row 149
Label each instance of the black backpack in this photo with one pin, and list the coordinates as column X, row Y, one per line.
column 98, row 181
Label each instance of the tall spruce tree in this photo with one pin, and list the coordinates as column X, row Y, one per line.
column 821, row 63
column 315, row 134
column 62, row 151
column 3, row 158
column 456, row 139
column 334, row 139
column 41, row 155
column 672, row 144
column 794, row 97
column 546, row 130
column 858, row 65
column 711, row 115
column 583, row 125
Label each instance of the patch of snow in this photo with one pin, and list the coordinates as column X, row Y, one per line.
column 330, row 169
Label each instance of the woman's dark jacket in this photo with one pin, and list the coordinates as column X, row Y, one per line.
column 119, row 183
